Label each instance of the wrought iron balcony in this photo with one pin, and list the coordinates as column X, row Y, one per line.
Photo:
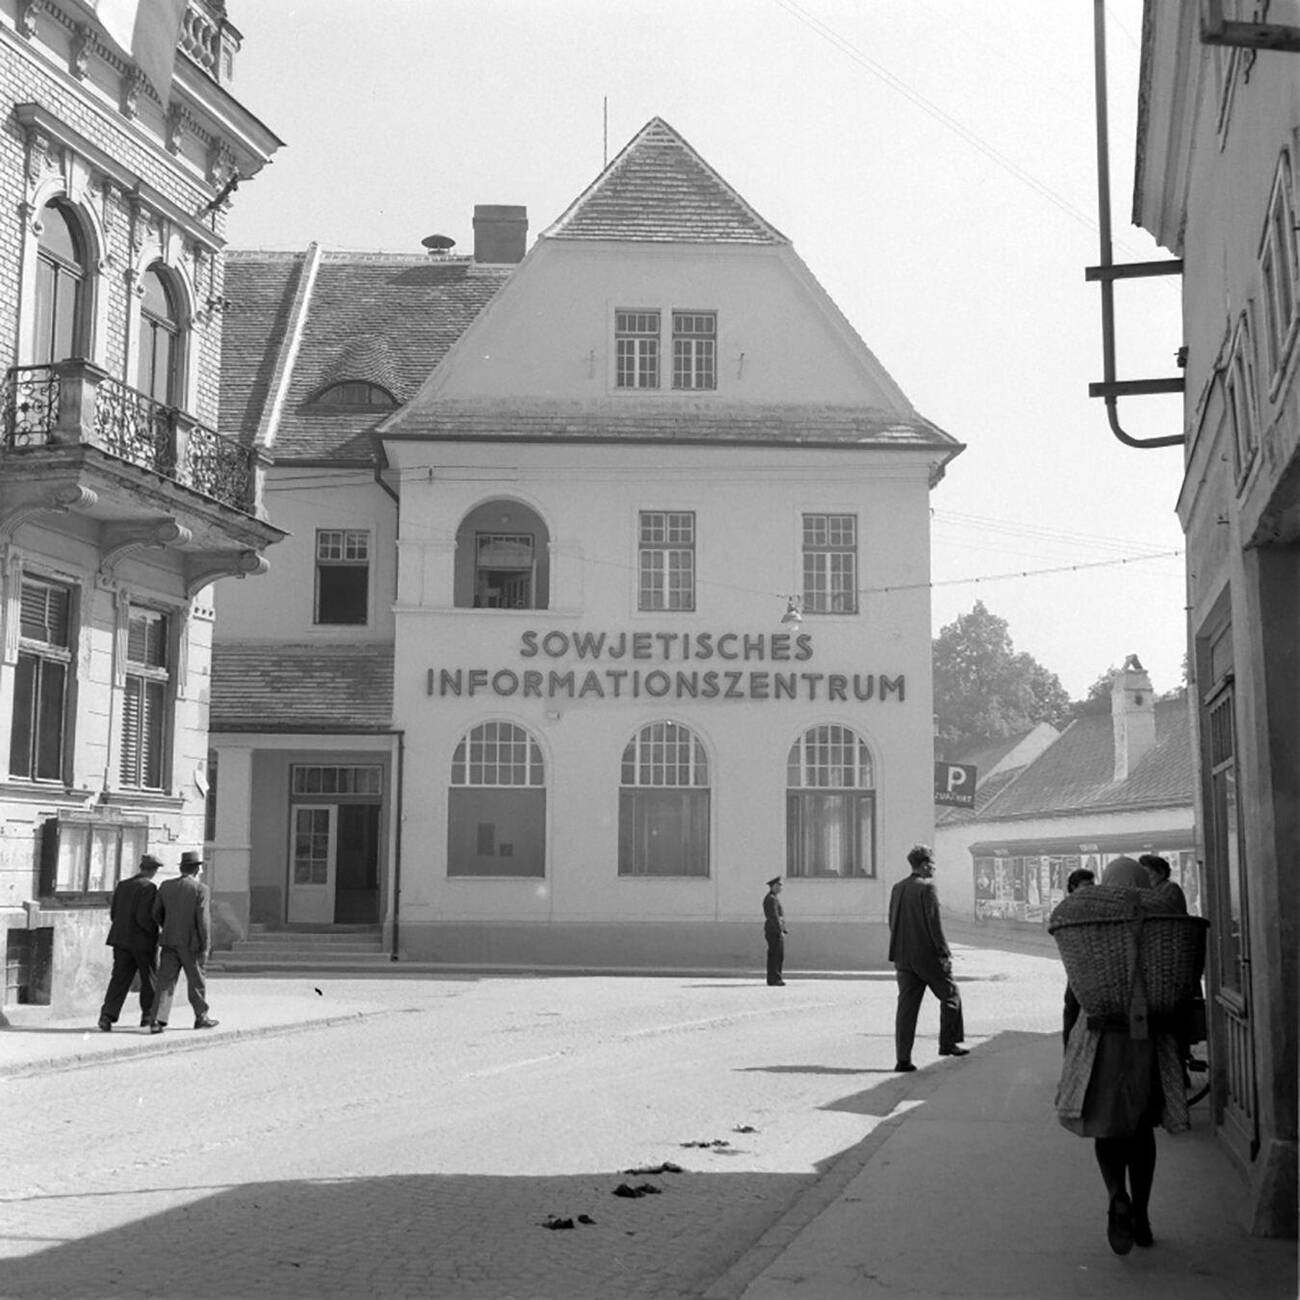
column 74, row 402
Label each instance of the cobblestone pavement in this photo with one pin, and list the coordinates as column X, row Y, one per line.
column 420, row 1153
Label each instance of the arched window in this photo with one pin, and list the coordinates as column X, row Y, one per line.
column 355, row 394
column 158, row 374
column 503, row 558
column 830, row 824
column 663, row 804
column 60, row 329
column 496, row 824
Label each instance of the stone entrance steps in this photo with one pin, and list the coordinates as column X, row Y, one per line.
column 334, row 948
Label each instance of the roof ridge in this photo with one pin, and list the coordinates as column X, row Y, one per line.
column 632, row 217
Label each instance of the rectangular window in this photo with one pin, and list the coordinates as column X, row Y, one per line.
column 82, row 853
column 1278, row 270
column 663, row 832
column 830, row 564
column 831, row 833
column 145, row 694
column 636, row 347
column 342, row 576
column 504, row 570
column 667, row 560
column 38, row 738
column 695, row 346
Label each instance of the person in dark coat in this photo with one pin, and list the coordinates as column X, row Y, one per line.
column 182, row 910
column 921, row 960
column 1079, row 877
column 774, row 931
column 133, row 935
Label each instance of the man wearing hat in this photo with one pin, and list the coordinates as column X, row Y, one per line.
column 185, row 933
column 133, row 935
column 774, row 931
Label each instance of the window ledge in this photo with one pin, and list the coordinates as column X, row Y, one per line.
column 37, row 792
column 142, row 799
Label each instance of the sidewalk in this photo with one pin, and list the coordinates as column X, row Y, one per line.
column 972, row 1189
column 245, row 1009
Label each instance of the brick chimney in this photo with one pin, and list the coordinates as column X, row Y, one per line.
column 500, row 232
column 1132, row 716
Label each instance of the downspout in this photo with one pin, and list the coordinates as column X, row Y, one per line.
column 397, row 840
column 1107, row 272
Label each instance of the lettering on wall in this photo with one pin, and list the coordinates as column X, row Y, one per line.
column 681, row 679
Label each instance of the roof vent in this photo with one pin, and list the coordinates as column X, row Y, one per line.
column 438, row 245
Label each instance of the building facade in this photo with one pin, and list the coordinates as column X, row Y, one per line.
column 120, row 500
column 1118, row 782
column 1216, row 184
column 660, row 623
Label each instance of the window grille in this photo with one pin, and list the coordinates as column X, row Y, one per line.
column 497, row 754
column 830, row 564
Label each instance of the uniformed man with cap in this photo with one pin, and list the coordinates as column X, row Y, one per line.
column 774, row 931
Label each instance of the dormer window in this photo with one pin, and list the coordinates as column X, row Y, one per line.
column 355, row 395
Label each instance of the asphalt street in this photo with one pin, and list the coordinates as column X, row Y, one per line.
column 421, row 1148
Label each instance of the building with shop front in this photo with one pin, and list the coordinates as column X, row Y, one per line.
column 121, row 502
column 1218, row 140
column 645, row 557
column 1111, row 783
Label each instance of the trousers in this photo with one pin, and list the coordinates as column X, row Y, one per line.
column 912, row 985
column 775, row 955
column 170, row 964
column 127, row 964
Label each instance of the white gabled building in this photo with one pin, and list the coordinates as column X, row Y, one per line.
column 658, row 431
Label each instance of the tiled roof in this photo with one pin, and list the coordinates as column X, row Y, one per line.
column 657, row 421
column 271, row 687
column 387, row 319
column 660, row 190
column 1076, row 772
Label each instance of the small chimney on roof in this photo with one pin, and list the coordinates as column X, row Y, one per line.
column 500, row 232
column 1132, row 716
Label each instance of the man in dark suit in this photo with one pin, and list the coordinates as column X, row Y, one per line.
column 133, row 935
column 921, row 960
column 183, row 914
column 774, row 931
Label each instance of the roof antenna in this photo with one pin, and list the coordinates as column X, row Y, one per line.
column 604, row 113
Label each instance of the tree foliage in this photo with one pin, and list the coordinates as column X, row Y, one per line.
column 983, row 690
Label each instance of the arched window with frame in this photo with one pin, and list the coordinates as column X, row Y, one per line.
column 355, row 395
column 830, row 826
column 663, row 803
column 60, row 328
column 161, row 338
column 496, row 819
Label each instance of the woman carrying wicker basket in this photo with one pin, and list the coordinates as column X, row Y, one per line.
column 1129, row 959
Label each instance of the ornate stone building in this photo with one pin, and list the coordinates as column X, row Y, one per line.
column 121, row 501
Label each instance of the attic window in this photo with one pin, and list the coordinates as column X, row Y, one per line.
column 355, row 394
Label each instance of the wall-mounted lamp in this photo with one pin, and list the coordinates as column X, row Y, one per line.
column 793, row 615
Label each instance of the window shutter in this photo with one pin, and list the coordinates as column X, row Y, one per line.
column 132, row 710
column 45, row 613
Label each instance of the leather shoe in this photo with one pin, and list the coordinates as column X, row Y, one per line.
column 1119, row 1224
column 156, row 1028
column 954, row 1051
column 904, row 1067
column 106, row 1024
column 776, row 984
column 206, row 1022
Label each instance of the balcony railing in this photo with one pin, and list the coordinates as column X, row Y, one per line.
column 209, row 38
column 74, row 402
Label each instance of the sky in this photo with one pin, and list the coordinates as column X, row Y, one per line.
column 934, row 164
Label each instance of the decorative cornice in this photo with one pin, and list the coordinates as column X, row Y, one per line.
column 42, row 125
